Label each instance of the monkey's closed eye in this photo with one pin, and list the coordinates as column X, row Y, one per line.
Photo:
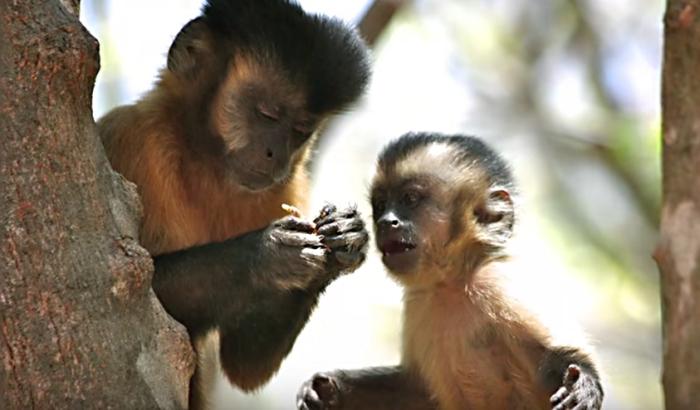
column 267, row 113
column 302, row 132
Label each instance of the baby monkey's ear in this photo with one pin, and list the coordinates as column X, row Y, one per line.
column 496, row 216
column 190, row 49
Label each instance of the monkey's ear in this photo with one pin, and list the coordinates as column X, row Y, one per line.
column 496, row 216
column 190, row 48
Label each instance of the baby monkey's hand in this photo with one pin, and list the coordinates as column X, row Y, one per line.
column 344, row 233
column 579, row 391
column 321, row 392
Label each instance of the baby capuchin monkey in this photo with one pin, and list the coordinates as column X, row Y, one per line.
column 443, row 213
column 215, row 149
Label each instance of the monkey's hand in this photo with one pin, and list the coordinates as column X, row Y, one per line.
column 291, row 254
column 345, row 235
column 580, row 391
column 321, row 392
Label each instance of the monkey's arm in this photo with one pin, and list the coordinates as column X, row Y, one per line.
column 257, row 290
column 195, row 285
column 205, row 286
column 378, row 388
column 572, row 378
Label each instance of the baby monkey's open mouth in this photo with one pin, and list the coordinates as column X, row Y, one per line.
column 399, row 255
column 392, row 247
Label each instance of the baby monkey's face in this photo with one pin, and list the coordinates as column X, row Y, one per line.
column 441, row 208
column 436, row 215
column 411, row 221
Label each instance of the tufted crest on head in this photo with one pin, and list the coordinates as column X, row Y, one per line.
column 319, row 54
column 464, row 151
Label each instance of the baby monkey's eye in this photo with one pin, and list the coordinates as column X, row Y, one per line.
column 378, row 206
column 411, row 198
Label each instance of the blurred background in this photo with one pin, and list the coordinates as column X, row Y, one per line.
column 567, row 90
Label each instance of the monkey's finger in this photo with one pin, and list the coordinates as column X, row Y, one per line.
column 325, row 212
column 341, row 225
column 327, row 389
column 568, row 402
column 347, row 213
column 349, row 259
column 353, row 240
column 357, row 241
column 573, row 372
column 312, row 405
column 299, row 239
column 292, row 223
column 316, row 256
column 585, row 406
column 309, row 400
column 559, row 395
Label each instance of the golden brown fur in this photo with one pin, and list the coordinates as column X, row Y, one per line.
column 467, row 342
column 186, row 200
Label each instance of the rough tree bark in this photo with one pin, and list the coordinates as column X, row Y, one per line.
column 79, row 324
column 678, row 253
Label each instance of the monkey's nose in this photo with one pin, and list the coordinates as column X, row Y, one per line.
column 389, row 221
column 269, row 153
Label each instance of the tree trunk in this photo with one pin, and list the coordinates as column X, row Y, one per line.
column 377, row 19
column 678, row 253
column 80, row 326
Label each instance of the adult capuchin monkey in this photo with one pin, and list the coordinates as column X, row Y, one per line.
column 215, row 149
column 443, row 212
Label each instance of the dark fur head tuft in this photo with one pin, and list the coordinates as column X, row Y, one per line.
column 322, row 54
column 470, row 149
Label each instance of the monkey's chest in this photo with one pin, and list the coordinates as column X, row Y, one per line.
column 466, row 361
column 233, row 215
column 238, row 219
